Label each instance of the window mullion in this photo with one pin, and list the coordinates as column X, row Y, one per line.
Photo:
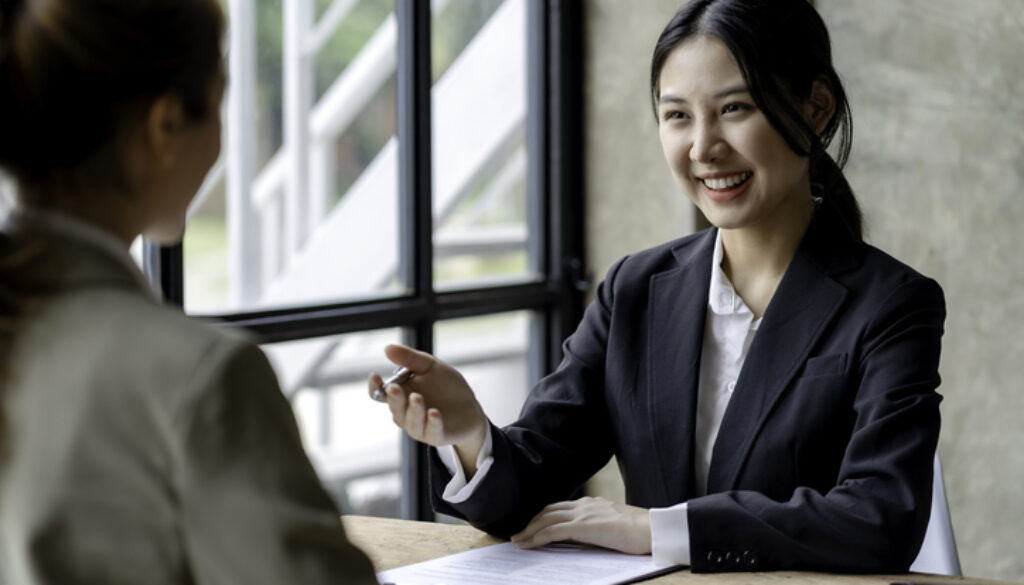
column 565, row 200
column 538, row 192
column 164, row 267
column 416, row 210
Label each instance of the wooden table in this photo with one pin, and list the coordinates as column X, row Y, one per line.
column 396, row 543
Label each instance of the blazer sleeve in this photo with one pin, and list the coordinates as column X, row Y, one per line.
column 253, row 510
column 563, row 435
column 874, row 518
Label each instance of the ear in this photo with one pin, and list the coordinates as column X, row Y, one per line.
column 821, row 106
column 161, row 127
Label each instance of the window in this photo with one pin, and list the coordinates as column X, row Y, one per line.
column 393, row 171
column 7, row 191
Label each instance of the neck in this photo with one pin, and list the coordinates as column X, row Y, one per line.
column 755, row 258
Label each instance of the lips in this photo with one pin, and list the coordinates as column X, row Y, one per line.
column 727, row 182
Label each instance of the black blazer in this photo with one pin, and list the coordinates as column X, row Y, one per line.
column 824, row 456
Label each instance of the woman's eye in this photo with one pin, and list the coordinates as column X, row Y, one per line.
column 735, row 107
column 674, row 115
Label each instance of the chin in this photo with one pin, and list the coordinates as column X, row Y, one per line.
column 725, row 221
column 727, row 225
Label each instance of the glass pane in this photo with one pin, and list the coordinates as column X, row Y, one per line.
column 479, row 124
column 302, row 207
column 351, row 439
column 490, row 351
column 268, row 131
column 7, row 194
column 205, row 248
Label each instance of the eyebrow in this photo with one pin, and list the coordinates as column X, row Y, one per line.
column 668, row 98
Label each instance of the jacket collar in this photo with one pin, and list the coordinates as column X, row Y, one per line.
column 61, row 252
column 804, row 304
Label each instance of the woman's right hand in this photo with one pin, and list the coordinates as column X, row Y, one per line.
column 436, row 406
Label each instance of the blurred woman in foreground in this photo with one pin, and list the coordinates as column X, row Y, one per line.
column 138, row 446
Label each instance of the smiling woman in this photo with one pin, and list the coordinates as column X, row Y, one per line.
column 767, row 386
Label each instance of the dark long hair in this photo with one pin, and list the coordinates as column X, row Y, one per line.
column 75, row 77
column 782, row 47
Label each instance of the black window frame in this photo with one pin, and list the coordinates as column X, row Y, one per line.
column 555, row 215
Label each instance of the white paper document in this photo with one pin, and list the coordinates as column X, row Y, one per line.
column 504, row 564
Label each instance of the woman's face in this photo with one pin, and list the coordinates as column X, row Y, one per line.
column 197, row 148
column 723, row 151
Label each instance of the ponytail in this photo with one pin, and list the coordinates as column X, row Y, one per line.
column 836, row 193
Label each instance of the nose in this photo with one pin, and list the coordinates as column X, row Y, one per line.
column 708, row 145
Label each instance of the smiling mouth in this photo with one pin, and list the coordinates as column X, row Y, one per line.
column 727, row 183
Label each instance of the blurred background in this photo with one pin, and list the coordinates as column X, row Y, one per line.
column 302, row 210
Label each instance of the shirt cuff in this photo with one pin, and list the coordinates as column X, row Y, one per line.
column 458, row 490
column 670, row 536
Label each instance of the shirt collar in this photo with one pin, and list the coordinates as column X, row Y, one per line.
column 722, row 297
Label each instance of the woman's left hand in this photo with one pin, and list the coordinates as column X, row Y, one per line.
column 594, row 521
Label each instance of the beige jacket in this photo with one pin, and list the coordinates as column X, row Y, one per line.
column 148, row 448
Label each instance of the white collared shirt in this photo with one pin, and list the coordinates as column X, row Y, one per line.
column 728, row 333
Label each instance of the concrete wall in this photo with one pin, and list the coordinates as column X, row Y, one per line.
column 632, row 200
column 938, row 165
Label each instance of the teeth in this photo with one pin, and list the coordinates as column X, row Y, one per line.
column 726, row 182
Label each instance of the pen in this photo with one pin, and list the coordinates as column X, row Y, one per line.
column 400, row 376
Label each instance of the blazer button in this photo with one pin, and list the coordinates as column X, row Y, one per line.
column 716, row 559
column 733, row 559
column 751, row 560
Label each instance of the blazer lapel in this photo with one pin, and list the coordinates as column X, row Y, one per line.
column 677, row 308
column 805, row 302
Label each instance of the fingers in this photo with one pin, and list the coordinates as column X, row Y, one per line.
column 398, row 403
column 411, row 414
column 408, row 402
column 418, row 361
column 433, row 431
column 373, row 382
column 415, row 420
column 559, row 531
column 552, row 524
